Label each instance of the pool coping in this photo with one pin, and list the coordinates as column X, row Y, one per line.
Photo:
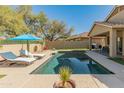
column 116, row 68
column 16, row 77
column 105, row 62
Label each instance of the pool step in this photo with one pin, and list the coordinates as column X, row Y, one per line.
column 77, row 67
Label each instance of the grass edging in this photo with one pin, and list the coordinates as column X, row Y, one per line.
column 117, row 60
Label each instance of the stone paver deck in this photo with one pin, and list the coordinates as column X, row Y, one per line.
column 21, row 77
column 115, row 80
column 44, row 81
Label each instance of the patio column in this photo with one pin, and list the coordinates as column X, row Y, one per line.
column 112, row 45
column 123, row 43
column 90, row 43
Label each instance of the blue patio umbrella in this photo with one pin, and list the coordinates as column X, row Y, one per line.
column 26, row 37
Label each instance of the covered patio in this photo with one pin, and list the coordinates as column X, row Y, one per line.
column 114, row 36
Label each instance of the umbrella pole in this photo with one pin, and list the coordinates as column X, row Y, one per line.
column 22, row 45
column 28, row 45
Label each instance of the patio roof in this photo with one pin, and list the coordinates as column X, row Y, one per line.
column 112, row 25
column 113, row 21
column 102, row 27
column 82, row 35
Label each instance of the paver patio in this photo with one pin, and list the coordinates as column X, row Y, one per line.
column 21, row 77
column 115, row 80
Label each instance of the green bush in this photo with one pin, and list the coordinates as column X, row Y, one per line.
column 65, row 73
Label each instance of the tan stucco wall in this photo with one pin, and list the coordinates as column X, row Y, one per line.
column 73, row 44
column 67, row 44
column 123, row 43
column 99, row 41
column 16, row 47
column 118, row 18
column 119, row 33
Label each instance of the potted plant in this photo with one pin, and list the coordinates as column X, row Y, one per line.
column 65, row 81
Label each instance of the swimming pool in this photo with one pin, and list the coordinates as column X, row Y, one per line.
column 76, row 60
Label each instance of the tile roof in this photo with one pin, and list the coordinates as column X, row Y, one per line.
column 84, row 34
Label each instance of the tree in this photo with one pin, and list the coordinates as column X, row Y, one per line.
column 33, row 22
column 40, row 24
column 21, row 20
column 24, row 9
column 55, row 30
column 25, row 12
column 10, row 22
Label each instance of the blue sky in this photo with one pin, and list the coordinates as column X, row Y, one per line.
column 80, row 17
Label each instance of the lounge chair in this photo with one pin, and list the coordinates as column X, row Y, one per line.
column 11, row 58
column 26, row 53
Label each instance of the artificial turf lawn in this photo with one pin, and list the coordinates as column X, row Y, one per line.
column 118, row 60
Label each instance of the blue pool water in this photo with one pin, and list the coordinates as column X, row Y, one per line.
column 77, row 61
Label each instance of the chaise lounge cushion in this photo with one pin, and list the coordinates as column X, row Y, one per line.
column 25, row 52
column 12, row 57
column 20, row 59
column 8, row 55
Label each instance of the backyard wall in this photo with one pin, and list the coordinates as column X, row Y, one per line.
column 99, row 41
column 61, row 44
column 16, row 47
column 67, row 44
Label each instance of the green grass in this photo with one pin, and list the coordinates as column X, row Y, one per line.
column 1, row 76
column 118, row 60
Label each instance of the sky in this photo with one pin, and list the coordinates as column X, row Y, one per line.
column 81, row 18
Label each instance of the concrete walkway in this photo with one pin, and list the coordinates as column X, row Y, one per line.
column 115, row 80
column 21, row 77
